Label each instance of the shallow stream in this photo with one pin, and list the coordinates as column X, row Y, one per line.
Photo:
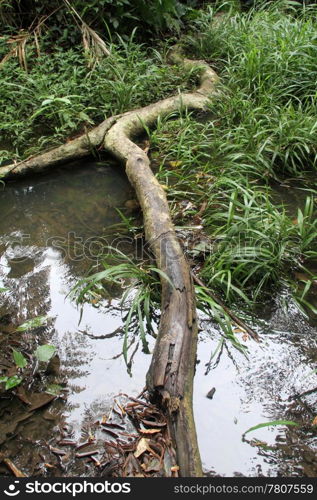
column 52, row 230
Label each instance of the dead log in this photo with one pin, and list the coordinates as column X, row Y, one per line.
column 170, row 377
column 75, row 149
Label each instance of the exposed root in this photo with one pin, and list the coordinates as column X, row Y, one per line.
column 170, row 377
column 73, row 150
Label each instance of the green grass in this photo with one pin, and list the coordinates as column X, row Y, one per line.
column 60, row 95
column 262, row 128
column 141, row 297
column 140, row 286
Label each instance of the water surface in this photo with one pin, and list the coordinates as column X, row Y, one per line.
column 53, row 229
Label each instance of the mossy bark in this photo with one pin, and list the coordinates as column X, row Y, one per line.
column 170, row 377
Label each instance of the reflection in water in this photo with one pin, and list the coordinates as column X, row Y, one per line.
column 48, row 241
column 255, row 390
column 51, row 230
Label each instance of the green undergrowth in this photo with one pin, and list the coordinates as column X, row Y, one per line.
column 141, row 299
column 61, row 96
column 261, row 129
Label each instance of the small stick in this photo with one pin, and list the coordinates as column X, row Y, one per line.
column 306, row 393
column 67, row 442
column 13, row 468
column 57, row 451
column 83, row 445
column 112, row 434
column 86, row 454
column 235, row 318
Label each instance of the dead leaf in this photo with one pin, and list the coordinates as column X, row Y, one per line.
column 22, row 395
column 202, row 208
column 143, row 445
column 13, row 468
column 238, row 329
column 257, row 442
column 49, row 466
column 150, row 431
column 153, row 424
column 103, row 419
column 57, row 451
column 39, row 399
column 314, row 422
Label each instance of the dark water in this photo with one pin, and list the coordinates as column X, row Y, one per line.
column 52, row 230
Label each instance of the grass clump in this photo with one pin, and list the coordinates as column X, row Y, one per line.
column 61, row 96
column 140, row 287
column 261, row 129
column 141, row 296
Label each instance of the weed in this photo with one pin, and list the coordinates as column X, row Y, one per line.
column 61, row 97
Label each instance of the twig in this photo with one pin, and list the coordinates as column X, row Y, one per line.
column 228, row 311
column 306, row 393
column 13, row 468
column 105, row 336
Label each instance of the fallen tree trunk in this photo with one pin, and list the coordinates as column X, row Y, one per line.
column 170, row 377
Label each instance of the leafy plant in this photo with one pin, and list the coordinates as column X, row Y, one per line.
column 19, row 359
column 60, row 96
column 141, row 293
column 45, row 352
column 32, row 323
column 11, row 382
column 261, row 128
column 270, row 424
column 206, row 304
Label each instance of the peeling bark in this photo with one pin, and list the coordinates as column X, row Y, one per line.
column 170, row 377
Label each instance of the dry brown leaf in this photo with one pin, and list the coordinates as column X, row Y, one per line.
column 143, row 445
column 314, row 422
column 49, row 466
column 238, row 329
column 153, row 424
column 150, row 431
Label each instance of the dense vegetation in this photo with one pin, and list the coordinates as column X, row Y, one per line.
column 106, row 16
column 262, row 128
